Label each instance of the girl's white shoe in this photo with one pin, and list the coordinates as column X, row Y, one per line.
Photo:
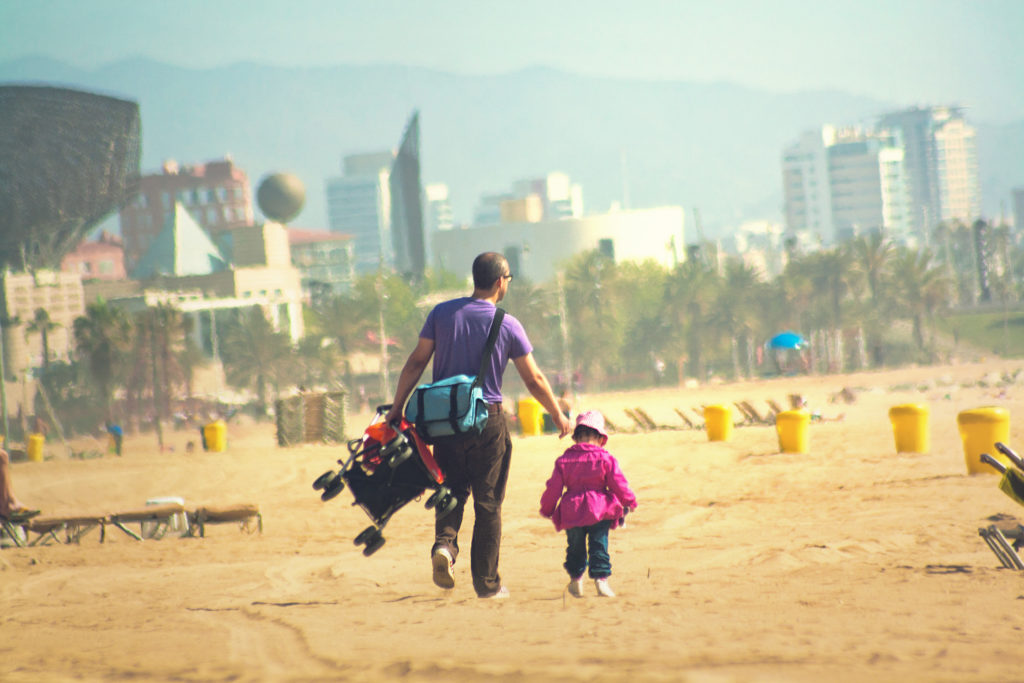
column 603, row 589
column 576, row 587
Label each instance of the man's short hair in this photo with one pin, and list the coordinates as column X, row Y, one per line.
column 487, row 268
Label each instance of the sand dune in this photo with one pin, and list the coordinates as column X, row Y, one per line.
column 848, row 563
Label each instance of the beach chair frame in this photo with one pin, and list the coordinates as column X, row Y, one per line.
column 247, row 517
column 74, row 528
column 996, row 538
column 162, row 516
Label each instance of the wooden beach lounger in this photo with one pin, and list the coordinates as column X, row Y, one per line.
column 691, row 423
column 244, row 516
column 637, row 420
column 12, row 527
column 161, row 516
column 73, row 528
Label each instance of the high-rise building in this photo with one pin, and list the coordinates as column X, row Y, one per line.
column 325, row 260
column 439, row 214
column 407, row 204
column 842, row 182
column 359, row 204
column 216, row 194
column 559, row 198
column 806, row 186
column 549, row 198
column 941, row 161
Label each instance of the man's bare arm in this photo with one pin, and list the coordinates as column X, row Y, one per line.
column 411, row 372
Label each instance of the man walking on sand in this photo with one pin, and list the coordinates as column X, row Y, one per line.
column 455, row 334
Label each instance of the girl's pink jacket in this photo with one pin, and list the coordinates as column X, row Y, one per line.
column 586, row 487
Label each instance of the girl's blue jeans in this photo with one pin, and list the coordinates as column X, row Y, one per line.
column 588, row 545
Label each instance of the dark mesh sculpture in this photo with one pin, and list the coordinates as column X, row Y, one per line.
column 67, row 159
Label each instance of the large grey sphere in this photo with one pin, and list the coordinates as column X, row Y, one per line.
column 281, row 196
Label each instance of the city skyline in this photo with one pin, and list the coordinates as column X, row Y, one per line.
column 946, row 51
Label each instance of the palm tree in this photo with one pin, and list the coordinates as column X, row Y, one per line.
column 345, row 320
column 922, row 288
column 102, row 336
column 735, row 313
column 317, row 358
column 822, row 279
column 872, row 257
column 646, row 342
column 42, row 325
column 253, row 353
column 690, row 292
column 593, row 317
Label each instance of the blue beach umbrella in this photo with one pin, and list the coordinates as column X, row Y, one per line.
column 787, row 340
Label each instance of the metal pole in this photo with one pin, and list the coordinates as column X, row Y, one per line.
column 384, row 378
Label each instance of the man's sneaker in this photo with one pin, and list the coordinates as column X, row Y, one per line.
column 576, row 587
column 603, row 589
column 443, row 563
column 500, row 595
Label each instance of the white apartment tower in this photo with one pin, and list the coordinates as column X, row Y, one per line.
column 839, row 183
column 439, row 214
column 805, row 184
column 942, row 165
column 359, row 204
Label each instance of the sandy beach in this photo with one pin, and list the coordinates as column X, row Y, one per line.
column 848, row 563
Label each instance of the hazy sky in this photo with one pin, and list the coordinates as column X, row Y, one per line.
column 902, row 51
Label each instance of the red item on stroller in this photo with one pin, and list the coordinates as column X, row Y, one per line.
column 387, row 467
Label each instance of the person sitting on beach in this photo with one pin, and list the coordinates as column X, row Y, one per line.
column 799, row 402
column 587, row 495
column 10, row 506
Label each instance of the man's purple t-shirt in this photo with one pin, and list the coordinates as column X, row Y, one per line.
column 459, row 329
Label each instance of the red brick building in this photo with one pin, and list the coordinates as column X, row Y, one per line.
column 216, row 194
column 102, row 259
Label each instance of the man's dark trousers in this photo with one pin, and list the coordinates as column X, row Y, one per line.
column 477, row 464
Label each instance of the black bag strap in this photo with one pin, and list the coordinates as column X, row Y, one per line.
column 492, row 337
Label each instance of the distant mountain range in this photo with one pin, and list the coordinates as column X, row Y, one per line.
column 713, row 147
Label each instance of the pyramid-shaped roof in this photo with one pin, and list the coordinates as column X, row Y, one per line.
column 181, row 248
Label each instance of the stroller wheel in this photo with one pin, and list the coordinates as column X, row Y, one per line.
column 434, row 497
column 446, row 504
column 402, row 453
column 333, row 487
column 365, row 535
column 321, row 481
column 374, row 544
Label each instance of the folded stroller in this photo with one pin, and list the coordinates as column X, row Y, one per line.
column 387, row 467
column 1012, row 484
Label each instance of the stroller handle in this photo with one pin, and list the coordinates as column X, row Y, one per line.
column 989, row 460
column 383, row 410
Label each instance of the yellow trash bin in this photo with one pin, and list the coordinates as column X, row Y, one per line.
column 35, row 447
column 216, row 436
column 531, row 416
column 980, row 428
column 792, row 427
column 718, row 422
column 910, row 427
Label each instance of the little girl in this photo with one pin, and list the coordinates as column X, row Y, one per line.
column 587, row 495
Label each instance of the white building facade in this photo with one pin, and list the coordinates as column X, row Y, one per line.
column 941, row 160
column 359, row 204
column 539, row 250
column 805, row 184
column 839, row 183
